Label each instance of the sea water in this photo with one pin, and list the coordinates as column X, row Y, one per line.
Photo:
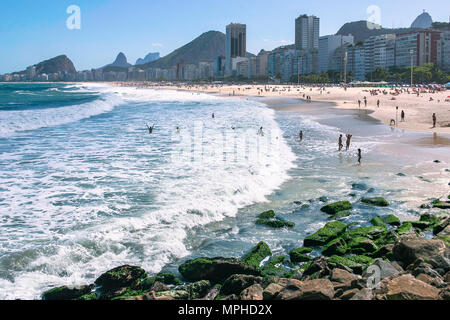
column 85, row 188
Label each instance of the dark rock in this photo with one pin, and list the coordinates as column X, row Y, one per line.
column 336, row 207
column 159, row 287
column 337, row 246
column 238, row 282
column 377, row 201
column 67, row 292
column 381, row 268
column 215, row 270
column 198, row 289
column 120, row 277
column 363, row 295
column 342, row 279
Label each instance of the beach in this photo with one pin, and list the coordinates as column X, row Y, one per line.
column 87, row 189
column 418, row 109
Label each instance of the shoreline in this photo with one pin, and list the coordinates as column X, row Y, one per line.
column 418, row 109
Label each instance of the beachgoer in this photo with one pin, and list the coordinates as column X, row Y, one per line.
column 178, row 130
column 261, row 132
column 359, row 156
column 213, row 116
column 301, row 136
column 349, row 140
column 378, row 103
column 403, row 116
column 150, row 129
column 359, row 103
column 340, row 143
column 434, row 120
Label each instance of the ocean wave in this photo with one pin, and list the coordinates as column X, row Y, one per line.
column 26, row 120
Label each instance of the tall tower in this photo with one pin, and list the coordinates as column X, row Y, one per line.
column 307, row 32
column 236, row 44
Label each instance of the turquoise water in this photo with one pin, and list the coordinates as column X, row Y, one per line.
column 85, row 188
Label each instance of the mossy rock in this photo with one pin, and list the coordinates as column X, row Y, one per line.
column 236, row 283
column 341, row 214
column 336, row 207
column 260, row 252
column 405, row 228
column 361, row 246
column 355, row 266
column 276, row 224
column 67, row 293
column 267, row 215
column 88, row 297
column 329, row 232
column 198, row 289
column 120, row 277
column 176, row 294
column 377, row 201
column 129, row 293
column 337, row 246
column 274, row 267
column 421, row 225
column 389, row 237
column 215, row 270
column 378, row 222
column 372, row 232
column 300, row 255
column 441, row 204
column 392, row 220
column 365, row 261
column 163, row 277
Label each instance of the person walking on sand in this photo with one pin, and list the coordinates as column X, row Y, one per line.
column 340, row 143
column 349, row 140
column 359, row 103
column 434, row 120
column 359, row 156
column 378, row 103
column 403, row 116
column 365, row 102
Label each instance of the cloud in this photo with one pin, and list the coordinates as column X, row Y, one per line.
column 157, row 45
column 282, row 42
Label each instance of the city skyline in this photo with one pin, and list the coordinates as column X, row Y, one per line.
column 34, row 33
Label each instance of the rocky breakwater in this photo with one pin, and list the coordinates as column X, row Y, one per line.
column 384, row 259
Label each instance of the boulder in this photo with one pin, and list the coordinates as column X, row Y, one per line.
column 361, row 245
column 435, row 252
column 341, row 214
column 215, row 270
column 67, row 292
column 271, row 292
column 378, row 222
column 405, row 228
column 236, row 283
column 381, row 268
column 329, row 232
column 318, row 289
column 347, row 295
column 252, row 293
column 406, row 287
column 336, row 207
column 337, row 246
column 377, row 201
column 363, row 295
column 392, row 220
column 260, row 252
column 120, row 277
column 198, row 289
column 300, row 255
column 159, row 287
column 172, row 295
column 342, row 279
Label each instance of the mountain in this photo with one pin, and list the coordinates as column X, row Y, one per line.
column 58, row 64
column 423, row 21
column 361, row 31
column 206, row 47
column 120, row 63
column 152, row 56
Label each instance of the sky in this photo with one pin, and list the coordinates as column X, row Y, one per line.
column 32, row 31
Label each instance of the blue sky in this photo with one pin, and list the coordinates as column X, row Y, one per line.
column 32, row 31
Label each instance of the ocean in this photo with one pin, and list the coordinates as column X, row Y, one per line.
column 85, row 188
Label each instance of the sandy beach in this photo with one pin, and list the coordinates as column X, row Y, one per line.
column 418, row 109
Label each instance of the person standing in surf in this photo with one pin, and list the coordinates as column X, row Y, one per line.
column 349, row 140
column 150, row 129
column 301, row 136
column 340, row 143
column 261, row 132
column 359, row 156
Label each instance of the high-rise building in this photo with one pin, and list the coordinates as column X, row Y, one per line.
column 236, row 44
column 444, row 52
column 423, row 44
column 327, row 47
column 307, row 32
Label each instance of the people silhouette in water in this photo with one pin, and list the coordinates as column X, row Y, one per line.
column 359, row 156
column 261, row 132
column 349, row 141
column 340, row 143
column 178, row 130
column 301, row 136
column 150, row 129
